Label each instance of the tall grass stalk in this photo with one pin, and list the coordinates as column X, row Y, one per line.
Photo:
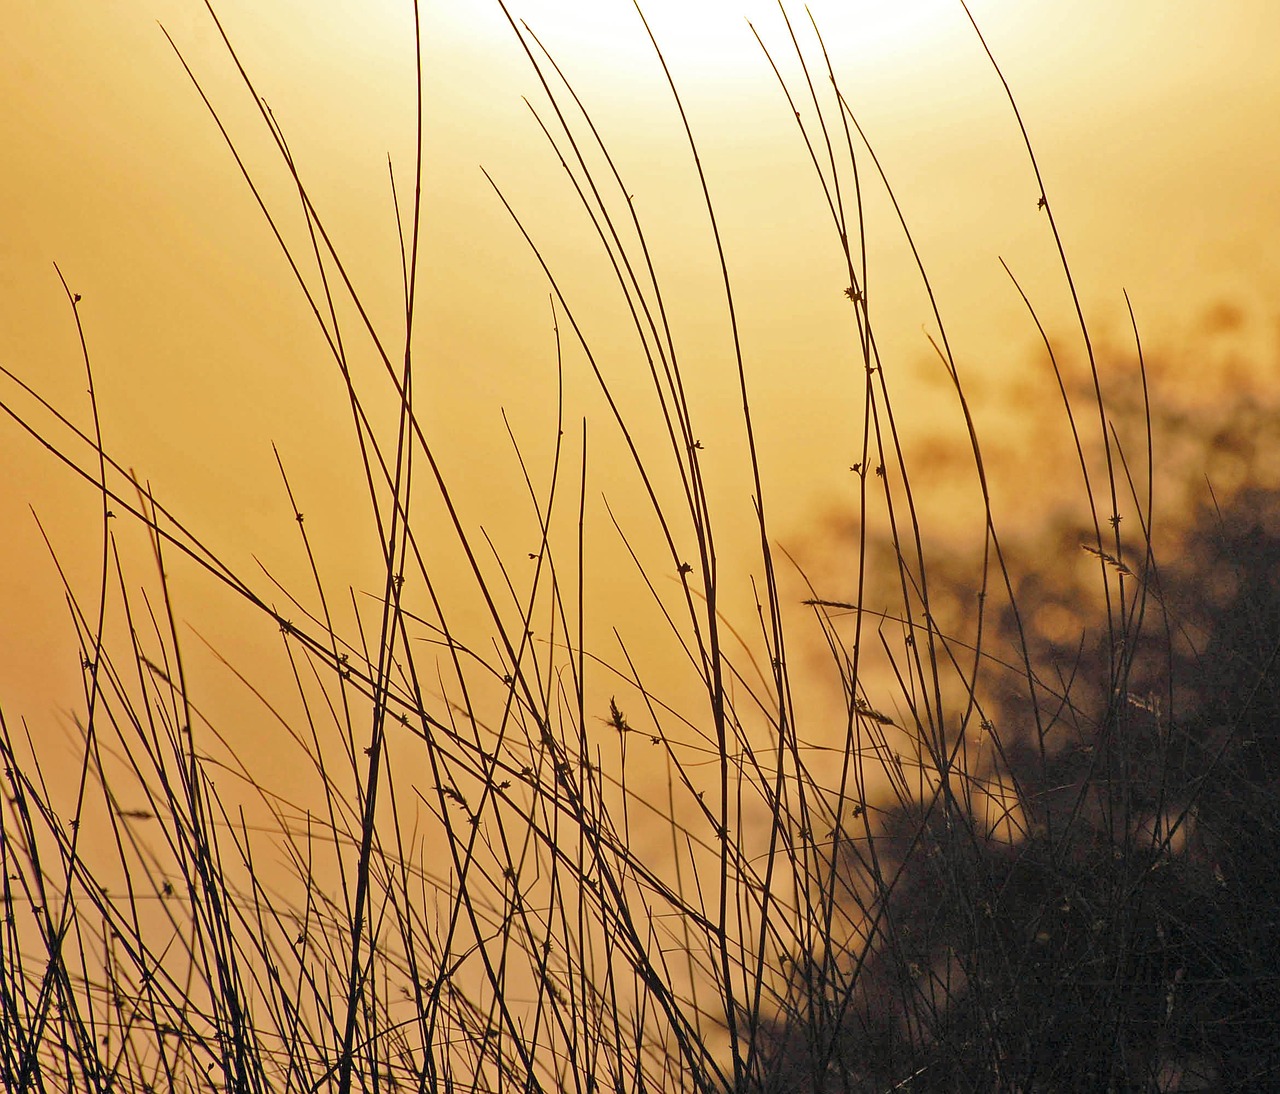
column 1015, row 867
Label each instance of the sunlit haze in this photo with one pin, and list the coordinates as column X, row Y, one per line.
column 1152, row 128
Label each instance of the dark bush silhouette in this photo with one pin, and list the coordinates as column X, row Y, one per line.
column 1125, row 936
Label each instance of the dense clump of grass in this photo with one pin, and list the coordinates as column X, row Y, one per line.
column 1023, row 864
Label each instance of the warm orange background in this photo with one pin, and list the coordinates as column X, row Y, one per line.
column 1155, row 124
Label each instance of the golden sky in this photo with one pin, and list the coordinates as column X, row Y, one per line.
column 1154, row 123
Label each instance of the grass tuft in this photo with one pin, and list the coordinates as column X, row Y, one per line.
column 1031, row 849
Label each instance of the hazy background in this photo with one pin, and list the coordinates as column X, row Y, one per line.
column 1154, row 123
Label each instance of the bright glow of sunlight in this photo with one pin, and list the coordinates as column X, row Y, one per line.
column 715, row 37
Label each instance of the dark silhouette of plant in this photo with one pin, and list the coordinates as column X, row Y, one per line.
column 1020, row 863
column 1118, row 932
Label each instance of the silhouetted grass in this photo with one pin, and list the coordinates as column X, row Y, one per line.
column 1023, row 863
